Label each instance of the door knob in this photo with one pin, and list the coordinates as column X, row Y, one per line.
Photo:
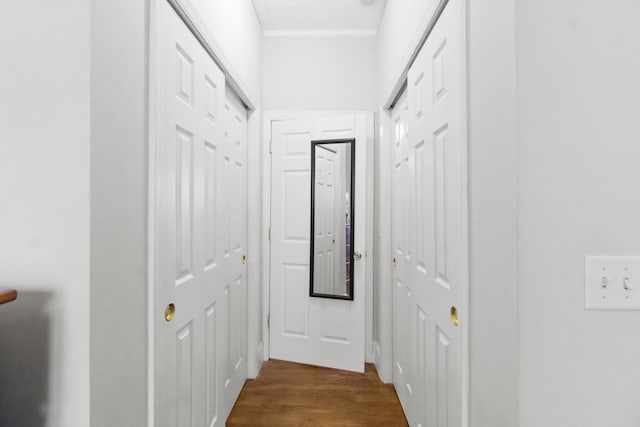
column 454, row 316
column 244, row 259
column 357, row 256
column 170, row 312
column 395, row 263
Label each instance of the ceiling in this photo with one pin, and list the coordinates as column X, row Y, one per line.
column 356, row 17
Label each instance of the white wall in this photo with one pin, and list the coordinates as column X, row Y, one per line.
column 237, row 30
column 319, row 73
column 399, row 32
column 578, row 158
column 119, row 96
column 44, row 218
column 493, row 257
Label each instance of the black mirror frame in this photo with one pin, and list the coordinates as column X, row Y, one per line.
column 352, row 141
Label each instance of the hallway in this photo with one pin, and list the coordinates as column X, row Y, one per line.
column 441, row 194
column 292, row 394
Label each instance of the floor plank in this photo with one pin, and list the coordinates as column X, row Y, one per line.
column 292, row 394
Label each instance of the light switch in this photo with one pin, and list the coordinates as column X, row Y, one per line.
column 612, row 282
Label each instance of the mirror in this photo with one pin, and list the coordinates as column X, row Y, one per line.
column 332, row 231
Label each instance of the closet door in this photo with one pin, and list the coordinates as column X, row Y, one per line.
column 429, row 232
column 401, row 230
column 234, row 253
column 200, row 234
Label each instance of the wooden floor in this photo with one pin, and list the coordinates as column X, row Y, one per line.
column 291, row 394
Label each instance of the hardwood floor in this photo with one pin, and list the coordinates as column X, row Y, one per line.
column 291, row 394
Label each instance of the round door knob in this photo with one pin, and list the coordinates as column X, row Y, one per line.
column 170, row 312
column 395, row 263
column 244, row 259
column 357, row 256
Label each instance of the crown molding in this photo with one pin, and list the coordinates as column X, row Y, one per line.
column 320, row 33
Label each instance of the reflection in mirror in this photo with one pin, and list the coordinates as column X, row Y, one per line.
column 332, row 231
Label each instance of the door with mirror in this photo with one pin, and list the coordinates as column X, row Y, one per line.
column 317, row 275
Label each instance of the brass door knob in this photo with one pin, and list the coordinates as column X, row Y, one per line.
column 170, row 312
column 395, row 263
column 357, row 256
column 244, row 259
column 454, row 316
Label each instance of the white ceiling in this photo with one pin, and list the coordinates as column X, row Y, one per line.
column 354, row 17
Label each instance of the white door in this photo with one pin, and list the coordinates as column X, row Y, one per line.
column 402, row 294
column 429, row 236
column 200, row 203
column 312, row 330
column 235, row 196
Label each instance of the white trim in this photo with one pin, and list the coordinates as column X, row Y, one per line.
column 254, row 241
column 321, row 33
column 464, row 154
column 274, row 116
column 424, row 29
column 384, row 358
column 152, row 212
column 195, row 23
column 266, row 226
column 370, row 126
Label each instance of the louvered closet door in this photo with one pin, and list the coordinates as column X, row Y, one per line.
column 200, row 237
column 428, row 182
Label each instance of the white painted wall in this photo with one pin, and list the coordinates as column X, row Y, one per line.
column 493, row 280
column 399, row 32
column 119, row 97
column 44, row 219
column 578, row 175
column 236, row 28
column 319, row 73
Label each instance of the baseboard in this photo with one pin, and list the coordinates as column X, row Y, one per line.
column 377, row 352
column 383, row 373
column 259, row 358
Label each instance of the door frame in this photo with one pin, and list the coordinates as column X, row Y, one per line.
column 274, row 116
column 196, row 25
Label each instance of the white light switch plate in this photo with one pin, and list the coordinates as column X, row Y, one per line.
column 612, row 282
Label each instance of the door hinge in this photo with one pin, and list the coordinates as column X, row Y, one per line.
column 269, row 320
column 270, row 147
column 269, row 233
